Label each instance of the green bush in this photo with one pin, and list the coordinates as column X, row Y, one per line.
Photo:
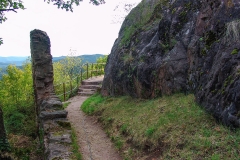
column 15, row 122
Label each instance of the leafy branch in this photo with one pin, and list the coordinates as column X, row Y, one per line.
column 67, row 5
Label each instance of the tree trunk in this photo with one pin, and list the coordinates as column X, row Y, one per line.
column 4, row 145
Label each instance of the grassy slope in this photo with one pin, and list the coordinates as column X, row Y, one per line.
column 170, row 127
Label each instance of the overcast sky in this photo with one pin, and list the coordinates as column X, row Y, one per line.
column 88, row 30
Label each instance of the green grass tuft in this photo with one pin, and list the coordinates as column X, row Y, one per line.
column 118, row 142
column 91, row 103
column 123, row 128
column 149, row 132
column 235, row 51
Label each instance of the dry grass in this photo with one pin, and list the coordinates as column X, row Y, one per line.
column 171, row 127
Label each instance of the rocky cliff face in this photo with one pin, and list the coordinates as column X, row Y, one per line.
column 180, row 46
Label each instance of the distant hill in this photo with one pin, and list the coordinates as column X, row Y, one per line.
column 12, row 59
column 90, row 58
column 85, row 58
column 18, row 61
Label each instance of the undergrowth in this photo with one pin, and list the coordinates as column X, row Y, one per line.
column 170, row 127
column 22, row 131
column 21, row 120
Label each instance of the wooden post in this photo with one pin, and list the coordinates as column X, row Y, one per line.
column 87, row 70
column 97, row 69
column 64, row 92
column 71, row 86
column 81, row 76
column 92, row 70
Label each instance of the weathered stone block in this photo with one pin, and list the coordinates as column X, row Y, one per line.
column 46, row 115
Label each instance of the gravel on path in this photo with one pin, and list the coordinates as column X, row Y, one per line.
column 93, row 141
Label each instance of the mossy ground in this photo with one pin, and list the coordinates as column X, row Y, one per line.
column 170, row 127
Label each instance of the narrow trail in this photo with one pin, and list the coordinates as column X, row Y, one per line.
column 94, row 143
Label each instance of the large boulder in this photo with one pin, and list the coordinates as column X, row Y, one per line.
column 183, row 46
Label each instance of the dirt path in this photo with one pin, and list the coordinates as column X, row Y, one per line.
column 94, row 143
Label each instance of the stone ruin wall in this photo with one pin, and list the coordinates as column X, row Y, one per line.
column 54, row 128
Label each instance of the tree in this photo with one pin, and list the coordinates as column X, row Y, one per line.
column 67, row 68
column 15, row 93
column 9, row 5
column 16, row 86
column 68, row 5
column 102, row 59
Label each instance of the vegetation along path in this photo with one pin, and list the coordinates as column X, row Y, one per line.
column 94, row 143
